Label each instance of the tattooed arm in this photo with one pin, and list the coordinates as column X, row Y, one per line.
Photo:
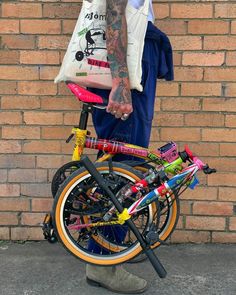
column 120, row 101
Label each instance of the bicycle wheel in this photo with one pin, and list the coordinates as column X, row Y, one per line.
column 80, row 203
column 61, row 175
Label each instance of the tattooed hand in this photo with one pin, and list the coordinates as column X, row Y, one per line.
column 120, row 101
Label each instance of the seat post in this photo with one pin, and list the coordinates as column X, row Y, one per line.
column 87, row 108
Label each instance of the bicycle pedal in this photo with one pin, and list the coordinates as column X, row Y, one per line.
column 48, row 230
column 152, row 238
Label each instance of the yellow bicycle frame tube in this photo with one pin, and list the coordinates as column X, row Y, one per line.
column 80, row 138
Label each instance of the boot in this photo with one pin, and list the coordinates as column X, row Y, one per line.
column 115, row 278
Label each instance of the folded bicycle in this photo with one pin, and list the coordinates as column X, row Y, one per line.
column 97, row 200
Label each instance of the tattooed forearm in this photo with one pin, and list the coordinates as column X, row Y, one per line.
column 116, row 35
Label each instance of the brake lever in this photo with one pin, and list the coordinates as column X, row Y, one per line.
column 208, row 170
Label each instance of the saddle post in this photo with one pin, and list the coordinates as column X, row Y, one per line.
column 83, row 122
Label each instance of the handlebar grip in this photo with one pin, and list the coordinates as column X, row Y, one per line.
column 159, row 268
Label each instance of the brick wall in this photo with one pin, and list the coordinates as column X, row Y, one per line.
column 198, row 108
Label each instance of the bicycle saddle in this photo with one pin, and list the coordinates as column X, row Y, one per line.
column 82, row 94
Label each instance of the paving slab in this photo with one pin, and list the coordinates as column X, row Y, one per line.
column 38, row 268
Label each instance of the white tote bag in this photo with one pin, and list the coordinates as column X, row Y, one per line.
column 85, row 61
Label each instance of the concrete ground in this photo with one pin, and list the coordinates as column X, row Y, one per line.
column 36, row 268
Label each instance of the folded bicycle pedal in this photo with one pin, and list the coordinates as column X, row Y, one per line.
column 48, row 230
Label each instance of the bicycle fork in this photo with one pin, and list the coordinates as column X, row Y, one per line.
column 159, row 268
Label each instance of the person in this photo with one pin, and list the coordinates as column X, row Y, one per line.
column 128, row 116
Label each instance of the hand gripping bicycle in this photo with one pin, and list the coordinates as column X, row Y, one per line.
column 92, row 200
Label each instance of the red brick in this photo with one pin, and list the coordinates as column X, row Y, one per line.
column 48, row 72
column 27, row 175
column 39, row 57
column 200, row 193
column 18, row 73
column 212, row 208
column 172, row 27
column 9, row 190
column 177, row 58
column 203, row 58
column 7, row 87
column 205, row 223
column 40, row 26
column 227, row 149
column 180, row 104
column 191, row 10
column 9, row 57
column 9, row 26
column 219, row 135
column 188, row 74
column 230, row 89
column 227, row 194
column 8, row 218
column 68, row 26
column 16, row 204
column 224, row 237
column 167, row 89
column 231, row 58
column 201, row 89
column 232, row 223
column 10, row 146
column 26, row 233
column 42, row 205
column 37, row 88
column 167, row 120
column 33, row 219
column 222, row 179
column 227, row 74
column 219, row 104
column 180, row 236
column 233, row 27
column 50, row 161
column 59, row 10
column 60, row 103
column 18, row 41
column 21, row 132
column 20, row 102
column 225, row 10
column 208, row 27
column 186, row 42
column 4, row 233
column 42, row 147
column 43, row 118
column 17, row 161
column 55, row 132
column 10, row 118
column 204, row 119
column 36, row 190
column 230, row 121
column 219, row 43
column 53, row 42
column 180, row 134
column 21, row 10
column 3, row 175
column 185, row 207
column 161, row 10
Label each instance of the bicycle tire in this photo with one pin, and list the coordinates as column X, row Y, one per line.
column 124, row 254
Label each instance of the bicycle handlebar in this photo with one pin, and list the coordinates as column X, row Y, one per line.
column 187, row 154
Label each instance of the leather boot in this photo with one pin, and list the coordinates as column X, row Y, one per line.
column 115, row 278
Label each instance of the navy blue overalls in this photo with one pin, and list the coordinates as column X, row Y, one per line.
column 157, row 62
